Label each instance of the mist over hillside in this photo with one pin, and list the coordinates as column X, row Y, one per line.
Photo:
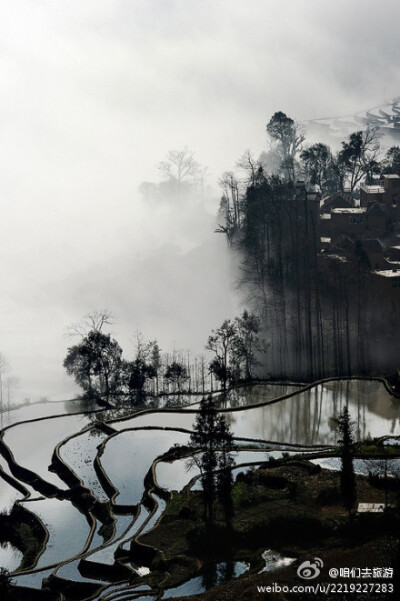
column 93, row 97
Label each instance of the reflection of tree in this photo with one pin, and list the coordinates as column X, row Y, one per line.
column 81, row 405
column 347, row 477
column 307, row 417
column 95, row 433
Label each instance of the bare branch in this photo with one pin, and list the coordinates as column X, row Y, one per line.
column 91, row 322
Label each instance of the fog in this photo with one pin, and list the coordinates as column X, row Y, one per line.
column 93, row 95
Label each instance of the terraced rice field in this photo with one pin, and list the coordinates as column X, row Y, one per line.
column 97, row 487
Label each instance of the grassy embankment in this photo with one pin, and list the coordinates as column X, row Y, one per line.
column 292, row 507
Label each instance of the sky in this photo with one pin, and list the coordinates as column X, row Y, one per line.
column 94, row 94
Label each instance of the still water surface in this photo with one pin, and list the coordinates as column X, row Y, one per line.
column 307, row 418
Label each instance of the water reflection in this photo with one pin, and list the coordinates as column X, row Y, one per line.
column 139, row 448
column 246, row 396
column 79, row 453
column 306, row 418
column 376, row 467
column 33, row 580
column 212, row 574
column 32, row 444
column 67, row 527
column 44, row 409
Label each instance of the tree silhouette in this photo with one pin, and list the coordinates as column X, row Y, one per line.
column 288, row 138
column 347, row 476
column 213, row 442
column 180, row 165
column 177, row 374
column 220, row 342
column 96, row 364
column 224, row 475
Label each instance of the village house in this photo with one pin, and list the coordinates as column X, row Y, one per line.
column 372, row 223
column 386, row 195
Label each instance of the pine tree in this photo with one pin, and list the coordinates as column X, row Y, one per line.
column 347, row 476
column 212, row 437
column 224, row 475
column 205, row 438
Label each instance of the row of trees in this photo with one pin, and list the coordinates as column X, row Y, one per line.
column 98, row 366
column 290, row 159
column 358, row 158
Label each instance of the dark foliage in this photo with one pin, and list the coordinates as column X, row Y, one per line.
column 347, row 476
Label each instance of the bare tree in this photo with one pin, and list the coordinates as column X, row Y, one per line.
column 230, row 209
column 4, row 367
column 12, row 382
column 91, row 322
column 250, row 165
column 180, row 165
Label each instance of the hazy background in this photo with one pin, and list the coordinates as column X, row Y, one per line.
column 93, row 95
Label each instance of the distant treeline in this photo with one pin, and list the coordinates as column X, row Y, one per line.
column 98, row 366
